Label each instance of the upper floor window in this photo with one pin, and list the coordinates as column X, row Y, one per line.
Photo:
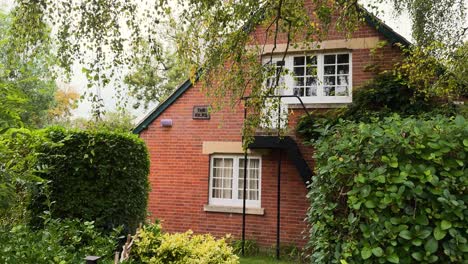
column 316, row 78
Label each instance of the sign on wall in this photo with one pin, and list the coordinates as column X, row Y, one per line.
column 201, row 112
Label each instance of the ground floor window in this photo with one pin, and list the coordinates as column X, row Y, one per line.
column 227, row 180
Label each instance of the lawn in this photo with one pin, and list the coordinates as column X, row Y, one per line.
column 262, row 260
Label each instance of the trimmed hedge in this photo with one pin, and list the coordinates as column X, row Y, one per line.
column 95, row 176
column 392, row 191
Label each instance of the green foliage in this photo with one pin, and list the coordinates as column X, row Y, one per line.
column 147, row 242
column 251, row 247
column 391, row 191
column 26, row 84
column 95, row 176
column 121, row 122
column 207, row 34
column 151, row 246
column 60, row 241
column 153, row 81
column 436, row 70
column 383, row 96
column 17, row 173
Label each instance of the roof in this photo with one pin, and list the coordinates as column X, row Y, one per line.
column 371, row 19
column 151, row 116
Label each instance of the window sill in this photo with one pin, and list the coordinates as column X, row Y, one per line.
column 232, row 209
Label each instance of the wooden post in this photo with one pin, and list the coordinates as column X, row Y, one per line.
column 116, row 257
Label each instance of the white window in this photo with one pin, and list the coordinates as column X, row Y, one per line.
column 317, row 78
column 227, row 180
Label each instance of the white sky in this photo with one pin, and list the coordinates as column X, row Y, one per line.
column 400, row 24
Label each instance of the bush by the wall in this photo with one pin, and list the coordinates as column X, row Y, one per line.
column 60, row 241
column 393, row 191
column 152, row 246
column 95, row 176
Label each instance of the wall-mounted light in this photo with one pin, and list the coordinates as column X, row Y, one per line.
column 166, row 122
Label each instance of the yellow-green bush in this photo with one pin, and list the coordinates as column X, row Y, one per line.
column 180, row 248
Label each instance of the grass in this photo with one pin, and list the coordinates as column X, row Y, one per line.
column 262, row 260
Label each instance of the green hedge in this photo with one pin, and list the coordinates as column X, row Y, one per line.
column 392, row 191
column 95, row 176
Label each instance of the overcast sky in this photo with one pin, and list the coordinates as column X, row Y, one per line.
column 400, row 24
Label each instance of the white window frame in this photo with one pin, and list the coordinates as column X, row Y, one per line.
column 235, row 201
column 320, row 98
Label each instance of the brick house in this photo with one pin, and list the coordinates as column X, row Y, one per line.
column 197, row 162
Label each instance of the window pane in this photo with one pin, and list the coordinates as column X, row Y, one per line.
column 253, row 175
column 299, row 60
column 342, row 80
column 329, row 91
column 330, row 80
column 217, row 183
column 330, row 59
column 227, row 183
column 280, row 63
column 299, row 81
column 343, row 58
column 329, row 69
column 300, row 92
column 311, row 60
column 311, row 70
column 299, row 71
column 222, row 178
column 217, row 162
column 311, row 81
column 341, row 91
column 343, row 69
column 227, row 194
column 216, row 193
column 311, row 91
column 297, row 91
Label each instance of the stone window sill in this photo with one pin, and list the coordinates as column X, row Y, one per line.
column 232, row 209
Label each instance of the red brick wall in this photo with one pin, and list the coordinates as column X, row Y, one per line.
column 179, row 173
column 179, row 177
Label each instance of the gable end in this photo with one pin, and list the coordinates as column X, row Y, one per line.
column 162, row 107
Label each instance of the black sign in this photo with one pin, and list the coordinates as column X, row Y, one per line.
column 201, row 112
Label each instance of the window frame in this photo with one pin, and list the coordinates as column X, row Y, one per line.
column 235, row 201
column 320, row 98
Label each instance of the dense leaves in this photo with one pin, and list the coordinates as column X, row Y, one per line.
column 392, row 191
column 26, row 84
column 111, row 37
column 95, row 176
column 153, row 247
column 60, row 241
column 17, row 173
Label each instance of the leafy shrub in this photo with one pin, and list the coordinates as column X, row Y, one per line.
column 384, row 95
column 60, row 241
column 392, row 191
column 151, row 246
column 18, row 161
column 95, row 176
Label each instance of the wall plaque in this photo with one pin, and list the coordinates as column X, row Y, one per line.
column 201, row 112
